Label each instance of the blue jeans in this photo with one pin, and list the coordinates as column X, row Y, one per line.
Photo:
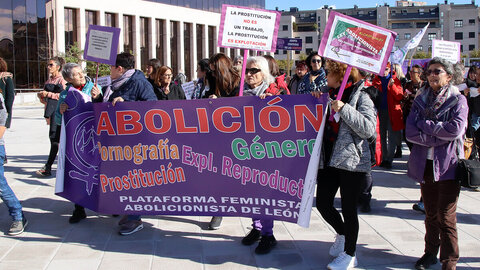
column 6, row 193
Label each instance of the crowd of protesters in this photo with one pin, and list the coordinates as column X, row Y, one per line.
column 426, row 109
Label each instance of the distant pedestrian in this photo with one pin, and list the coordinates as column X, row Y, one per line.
column 49, row 96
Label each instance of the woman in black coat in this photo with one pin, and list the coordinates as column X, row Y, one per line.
column 163, row 86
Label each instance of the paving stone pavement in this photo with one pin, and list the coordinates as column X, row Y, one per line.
column 391, row 236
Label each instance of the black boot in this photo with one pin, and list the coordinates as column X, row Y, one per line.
column 78, row 214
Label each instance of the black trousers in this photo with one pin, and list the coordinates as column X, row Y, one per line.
column 350, row 183
column 54, row 134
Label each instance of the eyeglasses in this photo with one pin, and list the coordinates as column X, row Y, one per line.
column 435, row 71
column 167, row 75
column 252, row 71
column 316, row 61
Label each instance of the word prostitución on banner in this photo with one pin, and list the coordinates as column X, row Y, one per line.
column 241, row 157
column 356, row 43
column 449, row 50
column 248, row 28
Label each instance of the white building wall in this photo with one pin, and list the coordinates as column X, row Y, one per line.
column 138, row 9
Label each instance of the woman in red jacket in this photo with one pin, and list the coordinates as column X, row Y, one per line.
column 390, row 114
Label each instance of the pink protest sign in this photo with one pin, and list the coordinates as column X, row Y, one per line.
column 356, row 43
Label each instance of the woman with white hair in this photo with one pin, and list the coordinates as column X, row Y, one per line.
column 257, row 80
column 257, row 77
column 77, row 81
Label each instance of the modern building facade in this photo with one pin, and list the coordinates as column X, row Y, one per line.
column 178, row 32
column 451, row 22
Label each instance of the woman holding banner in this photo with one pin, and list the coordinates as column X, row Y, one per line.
column 345, row 161
column 315, row 79
column 436, row 126
column 258, row 78
column 225, row 84
column 77, row 81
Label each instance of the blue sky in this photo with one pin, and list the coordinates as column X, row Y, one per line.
column 314, row 4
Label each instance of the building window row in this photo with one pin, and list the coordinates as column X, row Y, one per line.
column 91, row 18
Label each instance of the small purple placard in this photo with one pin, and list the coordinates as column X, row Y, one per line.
column 101, row 44
column 248, row 28
column 289, row 44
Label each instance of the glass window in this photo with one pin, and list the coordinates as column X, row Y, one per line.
column 128, row 34
column 110, row 19
column 458, row 23
column 471, row 47
column 407, row 36
column 211, row 40
column 420, row 48
column 160, row 46
column 200, row 40
column 471, row 34
column 471, row 21
column 71, row 34
column 308, row 51
column 144, row 42
column 308, row 39
column 285, row 27
column 187, row 39
column 458, row 35
column 173, row 46
column 432, row 36
column 90, row 19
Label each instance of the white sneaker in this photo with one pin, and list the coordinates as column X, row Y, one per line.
column 338, row 246
column 343, row 262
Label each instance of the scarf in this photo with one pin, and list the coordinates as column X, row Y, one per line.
column 257, row 91
column 198, row 89
column 316, row 72
column 435, row 100
column 117, row 83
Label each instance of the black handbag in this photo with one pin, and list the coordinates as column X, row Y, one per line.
column 468, row 170
column 468, row 173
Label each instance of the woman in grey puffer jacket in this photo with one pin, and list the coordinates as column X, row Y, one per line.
column 345, row 161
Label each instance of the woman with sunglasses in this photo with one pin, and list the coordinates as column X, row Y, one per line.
column 436, row 126
column 164, row 88
column 257, row 77
column 225, row 83
column 315, row 78
column 49, row 96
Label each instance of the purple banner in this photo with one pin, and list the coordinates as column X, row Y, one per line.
column 224, row 157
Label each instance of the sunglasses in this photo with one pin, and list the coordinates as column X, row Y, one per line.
column 51, row 65
column 316, row 61
column 252, row 71
column 434, row 71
